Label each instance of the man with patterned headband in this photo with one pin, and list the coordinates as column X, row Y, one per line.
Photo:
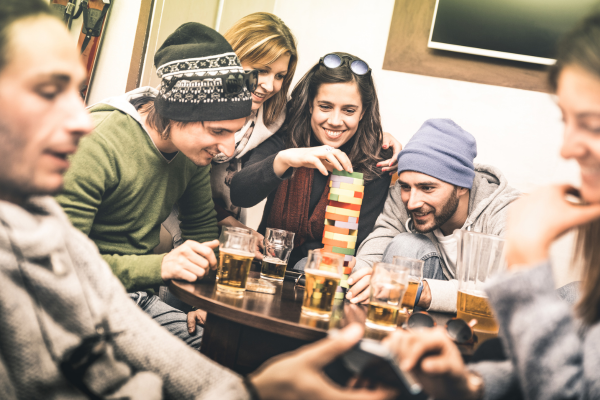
column 151, row 149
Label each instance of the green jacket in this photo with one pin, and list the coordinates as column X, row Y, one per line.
column 120, row 188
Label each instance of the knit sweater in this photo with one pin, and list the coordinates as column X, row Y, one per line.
column 488, row 204
column 120, row 188
column 55, row 293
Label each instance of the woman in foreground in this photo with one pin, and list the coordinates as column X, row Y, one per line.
column 553, row 351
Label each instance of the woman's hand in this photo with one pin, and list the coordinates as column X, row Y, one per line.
column 435, row 362
column 392, row 163
column 323, row 158
column 537, row 219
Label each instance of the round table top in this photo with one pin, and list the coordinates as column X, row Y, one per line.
column 279, row 313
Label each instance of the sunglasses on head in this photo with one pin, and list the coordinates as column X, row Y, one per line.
column 458, row 330
column 333, row 60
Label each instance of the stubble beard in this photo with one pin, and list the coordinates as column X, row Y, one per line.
column 439, row 219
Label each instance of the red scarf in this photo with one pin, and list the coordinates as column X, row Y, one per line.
column 291, row 204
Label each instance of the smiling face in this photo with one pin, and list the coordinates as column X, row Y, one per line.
column 42, row 116
column 336, row 112
column 270, row 79
column 578, row 94
column 201, row 141
column 430, row 201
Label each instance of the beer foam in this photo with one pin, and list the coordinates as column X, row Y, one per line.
column 320, row 272
column 274, row 260
column 240, row 253
column 475, row 292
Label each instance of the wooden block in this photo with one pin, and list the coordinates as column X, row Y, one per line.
column 347, row 270
column 348, row 258
column 336, row 217
column 334, row 197
column 360, row 182
column 343, row 238
column 327, row 248
column 328, row 235
column 335, row 243
column 342, row 211
column 353, row 220
column 335, row 184
column 335, row 229
column 349, row 225
column 355, row 207
column 356, row 175
column 341, row 250
column 356, row 188
column 345, row 179
column 349, row 199
column 343, row 192
column 358, row 195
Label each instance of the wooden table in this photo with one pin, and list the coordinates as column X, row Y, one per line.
column 243, row 332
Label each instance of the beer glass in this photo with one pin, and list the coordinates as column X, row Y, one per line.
column 479, row 258
column 415, row 276
column 236, row 247
column 388, row 285
column 322, row 272
column 278, row 247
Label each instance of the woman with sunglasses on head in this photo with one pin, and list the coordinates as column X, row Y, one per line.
column 262, row 42
column 553, row 350
column 332, row 122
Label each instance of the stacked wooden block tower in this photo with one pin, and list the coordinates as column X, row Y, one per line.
column 341, row 219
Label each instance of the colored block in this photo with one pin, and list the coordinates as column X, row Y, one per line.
column 358, row 182
column 339, row 243
column 347, row 270
column 353, row 220
column 347, row 258
column 339, row 295
column 344, row 238
column 345, row 179
column 336, row 217
column 328, row 235
column 334, row 197
column 358, row 195
column 342, row 211
column 339, row 289
column 335, row 184
column 335, row 229
column 343, row 192
column 355, row 207
column 348, row 199
column 341, row 250
column 327, row 248
column 348, row 225
column 345, row 285
column 356, row 175
column 355, row 188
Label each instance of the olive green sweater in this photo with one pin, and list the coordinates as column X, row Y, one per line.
column 120, row 188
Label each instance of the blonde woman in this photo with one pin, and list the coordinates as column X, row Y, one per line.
column 262, row 41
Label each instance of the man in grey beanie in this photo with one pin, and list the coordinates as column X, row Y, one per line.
column 439, row 189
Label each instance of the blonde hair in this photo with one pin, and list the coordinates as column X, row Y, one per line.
column 263, row 38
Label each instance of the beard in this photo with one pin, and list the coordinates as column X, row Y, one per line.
column 439, row 218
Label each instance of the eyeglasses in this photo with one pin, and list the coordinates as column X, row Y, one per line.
column 458, row 330
column 333, row 60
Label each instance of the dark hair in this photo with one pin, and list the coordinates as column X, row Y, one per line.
column 366, row 143
column 162, row 125
column 581, row 47
column 12, row 11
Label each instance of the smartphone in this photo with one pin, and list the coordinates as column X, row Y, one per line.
column 372, row 361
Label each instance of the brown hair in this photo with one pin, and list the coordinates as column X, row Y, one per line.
column 162, row 125
column 581, row 47
column 263, row 38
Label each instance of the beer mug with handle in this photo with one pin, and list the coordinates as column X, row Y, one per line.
column 479, row 258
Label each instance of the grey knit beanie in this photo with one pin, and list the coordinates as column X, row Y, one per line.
column 443, row 150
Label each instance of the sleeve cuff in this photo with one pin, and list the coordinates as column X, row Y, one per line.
column 443, row 295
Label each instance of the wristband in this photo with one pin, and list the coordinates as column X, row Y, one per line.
column 418, row 295
column 251, row 388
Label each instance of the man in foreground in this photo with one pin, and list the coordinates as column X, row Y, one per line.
column 69, row 329
column 439, row 189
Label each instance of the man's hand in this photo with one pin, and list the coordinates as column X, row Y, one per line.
column 196, row 317
column 189, row 261
column 435, row 361
column 230, row 221
column 359, row 282
column 278, row 379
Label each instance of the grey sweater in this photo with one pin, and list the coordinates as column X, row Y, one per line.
column 54, row 297
column 488, row 201
column 551, row 355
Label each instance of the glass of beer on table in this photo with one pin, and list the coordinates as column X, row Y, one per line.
column 479, row 257
column 415, row 277
column 388, row 285
column 278, row 247
column 322, row 272
column 236, row 248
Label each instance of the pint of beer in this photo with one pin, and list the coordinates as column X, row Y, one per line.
column 388, row 285
column 278, row 246
column 415, row 278
column 236, row 247
column 323, row 272
column 479, row 257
